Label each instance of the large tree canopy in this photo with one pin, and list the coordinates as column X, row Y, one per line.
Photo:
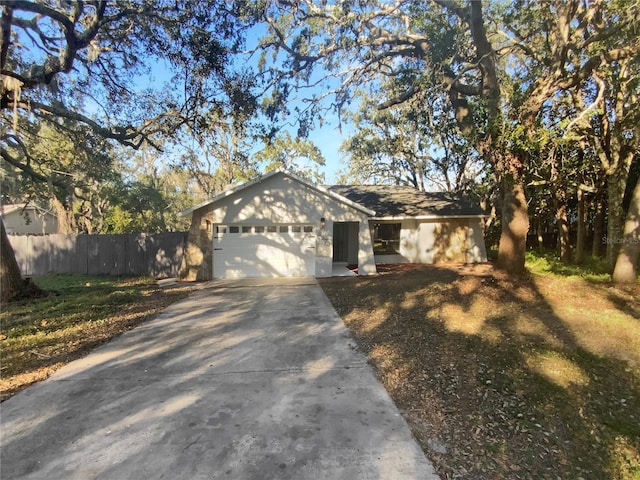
column 500, row 64
column 413, row 143
column 298, row 155
column 91, row 62
column 89, row 66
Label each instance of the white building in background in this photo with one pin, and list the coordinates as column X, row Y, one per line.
column 28, row 219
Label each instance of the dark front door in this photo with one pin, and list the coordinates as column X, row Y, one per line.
column 340, row 242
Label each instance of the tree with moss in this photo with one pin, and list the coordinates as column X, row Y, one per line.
column 414, row 143
column 88, row 65
column 297, row 155
column 498, row 63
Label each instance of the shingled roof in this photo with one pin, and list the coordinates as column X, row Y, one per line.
column 404, row 201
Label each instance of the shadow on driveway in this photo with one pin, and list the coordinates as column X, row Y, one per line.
column 239, row 381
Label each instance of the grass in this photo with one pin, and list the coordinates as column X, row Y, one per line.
column 506, row 378
column 39, row 336
column 548, row 263
column 498, row 377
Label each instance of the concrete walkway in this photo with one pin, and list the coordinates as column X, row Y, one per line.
column 243, row 380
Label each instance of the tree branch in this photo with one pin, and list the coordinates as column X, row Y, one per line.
column 6, row 156
column 128, row 135
column 44, row 10
column 582, row 74
column 461, row 12
column 53, row 65
column 399, row 99
column 598, row 100
column 5, row 33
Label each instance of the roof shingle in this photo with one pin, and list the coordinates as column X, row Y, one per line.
column 400, row 201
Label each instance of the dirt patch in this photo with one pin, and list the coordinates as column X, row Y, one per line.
column 504, row 378
column 475, row 269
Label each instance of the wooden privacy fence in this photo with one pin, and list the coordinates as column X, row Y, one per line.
column 157, row 254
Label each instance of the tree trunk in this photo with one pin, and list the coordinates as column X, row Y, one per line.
column 10, row 278
column 598, row 230
column 582, row 228
column 66, row 222
column 540, row 236
column 629, row 254
column 562, row 219
column 515, row 225
column 616, row 185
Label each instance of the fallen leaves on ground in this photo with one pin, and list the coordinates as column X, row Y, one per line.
column 40, row 335
column 505, row 378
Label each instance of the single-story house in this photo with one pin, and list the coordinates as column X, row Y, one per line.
column 28, row 219
column 280, row 225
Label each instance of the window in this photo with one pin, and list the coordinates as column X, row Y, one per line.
column 272, row 229
column 259, row 229
column 284, row 228
column 246, row 229
column 308, row 229
column 234, row 229
column 221, row 229
column 296, row 228
column 386, row 238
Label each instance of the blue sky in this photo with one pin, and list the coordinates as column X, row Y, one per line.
column 328, row 138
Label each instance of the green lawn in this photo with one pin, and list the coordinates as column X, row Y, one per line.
column 548, row 263
column 81, row 312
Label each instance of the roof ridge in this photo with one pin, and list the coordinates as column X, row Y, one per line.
column 282, row 171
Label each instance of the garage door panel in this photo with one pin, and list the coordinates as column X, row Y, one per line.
column 267, row 254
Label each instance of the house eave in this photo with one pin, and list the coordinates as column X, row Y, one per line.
column 426, row 217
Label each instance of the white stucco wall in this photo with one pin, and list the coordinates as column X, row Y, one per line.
column 280, row 199
column 430, row 241
column 476, row 248
column 15, row 222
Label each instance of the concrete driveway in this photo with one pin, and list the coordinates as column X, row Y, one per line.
column 243, row 380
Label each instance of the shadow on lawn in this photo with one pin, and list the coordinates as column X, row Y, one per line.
column 44, row 334
column 216, row 386
column 500, row 378
column 630, row 305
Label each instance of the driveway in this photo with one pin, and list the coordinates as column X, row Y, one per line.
column 242, row 380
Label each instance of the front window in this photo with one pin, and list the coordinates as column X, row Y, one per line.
column 386, row 238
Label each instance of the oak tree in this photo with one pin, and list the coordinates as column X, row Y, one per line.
column 510, row 58
column 90, row 65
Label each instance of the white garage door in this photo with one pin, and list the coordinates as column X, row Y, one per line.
column 242, row 251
